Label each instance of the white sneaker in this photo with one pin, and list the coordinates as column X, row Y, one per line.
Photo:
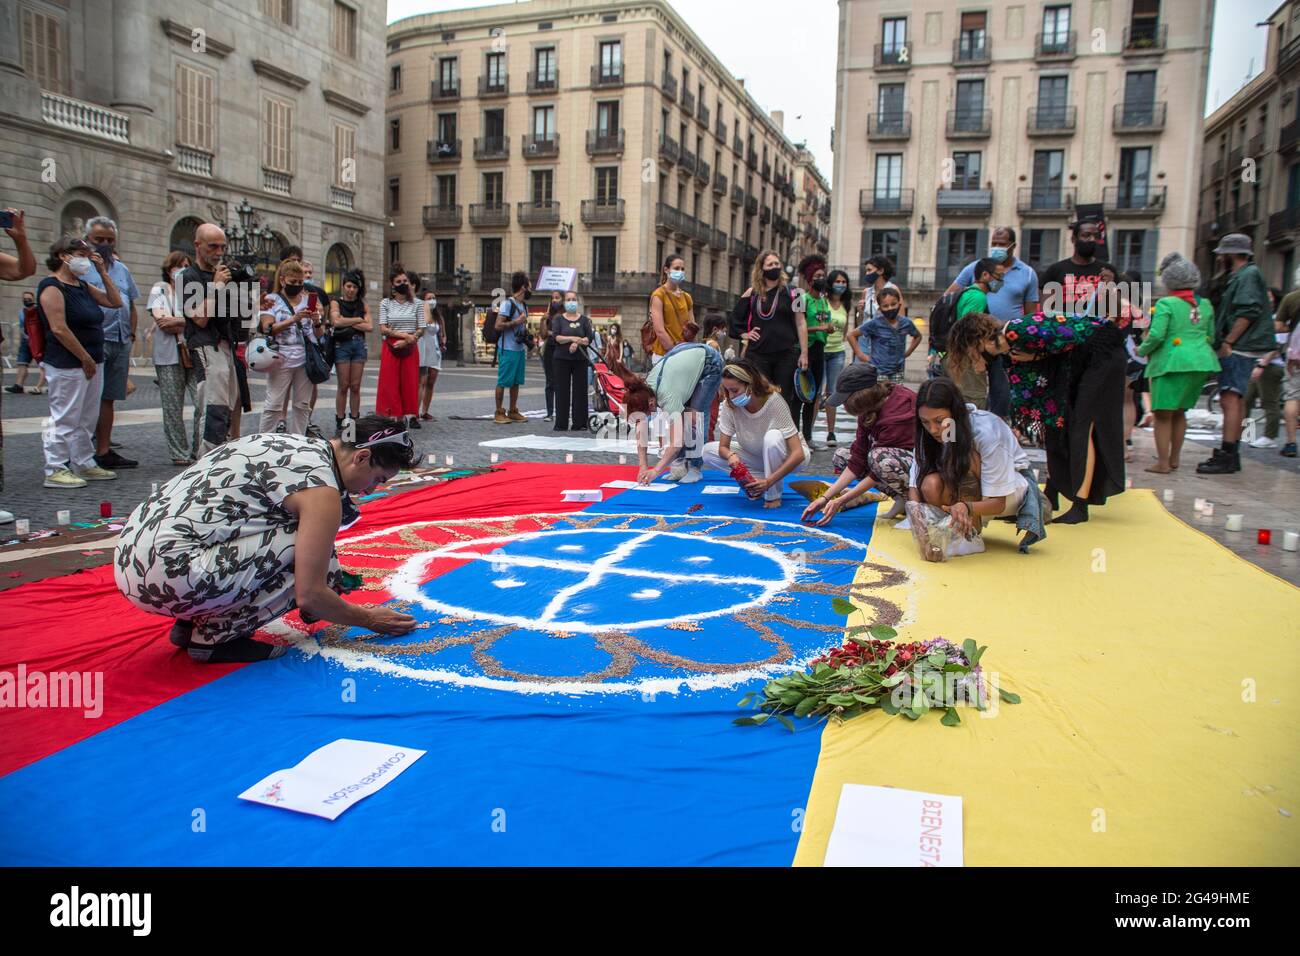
column 95, row 473
column 677, row 472
column 692, row 475
column 63, row 478
column 1263, row 441
column 6, row 517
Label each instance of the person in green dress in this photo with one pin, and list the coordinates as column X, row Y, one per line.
column 1180, row 356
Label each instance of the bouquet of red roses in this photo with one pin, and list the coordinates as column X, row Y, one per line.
column 876, row 672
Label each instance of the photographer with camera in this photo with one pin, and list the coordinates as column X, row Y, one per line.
column 211, row 317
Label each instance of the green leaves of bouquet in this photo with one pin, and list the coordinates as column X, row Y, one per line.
column 872, row 671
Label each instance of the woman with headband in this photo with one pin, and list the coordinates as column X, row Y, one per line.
column 755, row 427
column 247, row 534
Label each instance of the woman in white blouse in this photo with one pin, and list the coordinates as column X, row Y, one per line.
column 289, row 321
column 756, row 429
column 171, row 364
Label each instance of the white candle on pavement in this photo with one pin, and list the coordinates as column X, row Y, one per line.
column 64, row 517
column 23, row 526
column 1233, row 523
column 1169, row 496
column 1291, row 541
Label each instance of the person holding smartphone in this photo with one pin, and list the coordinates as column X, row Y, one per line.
column 70, row 309
column 14, row 269
column 290, row 321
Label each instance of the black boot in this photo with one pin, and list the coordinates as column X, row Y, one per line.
column 1224, row 461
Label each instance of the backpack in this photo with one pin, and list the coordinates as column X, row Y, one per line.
column 942, row 316
column 490, row 333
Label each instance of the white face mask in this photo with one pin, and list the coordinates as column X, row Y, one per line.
column 81, row 266
column 433, row 303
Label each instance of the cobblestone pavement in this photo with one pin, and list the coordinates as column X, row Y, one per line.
column 1267, row 492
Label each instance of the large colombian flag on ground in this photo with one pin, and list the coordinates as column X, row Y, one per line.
column 574, row 680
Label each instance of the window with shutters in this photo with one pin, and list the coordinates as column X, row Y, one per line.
column 277, row 135
column 611, row 60
column 447, row 190
column 395, row 78
column 1129, row 246
column 604, row 255
column 42, row 50
column 494, row 189
column 343, row 32
column 607, row 186
column 543, row 186
column 194, row 109
column 281, row 10
column 966, row 170
column 490, row 255
column 345, row 156
column 444, row 260
column 539, row 253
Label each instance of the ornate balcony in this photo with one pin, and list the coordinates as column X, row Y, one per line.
column 495, row 214
column 83, row 117
column 668, row 84
column 604, row 144
column 539, row 213
column 1139, row 117
column 596, row 212
column 1052, row 120
column 536, row 147
column 889, row 125
column 443, row 150
column 669, row 150
column 491, row 147
column 442, row 217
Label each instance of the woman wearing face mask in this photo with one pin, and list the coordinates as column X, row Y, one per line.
column 817, row 318
column 69, row 308
column 172, row 363
column 349, row 321
column 573, row 333
column 878, row 271
column 548, row 351
column 433, row 342
column 757, row 429
column 223, row 556
column 836, row 351
column 399, row 364
column 289, row 322
column 769, row 322
column 672, row 311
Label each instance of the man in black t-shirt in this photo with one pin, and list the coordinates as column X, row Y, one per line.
column 212, row 313
column 1067, row 286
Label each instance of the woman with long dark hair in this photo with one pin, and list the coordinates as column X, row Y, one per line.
column 769, row 322
column 399, row 364
column 968, row 464
column 817, row 319
column 349, row 321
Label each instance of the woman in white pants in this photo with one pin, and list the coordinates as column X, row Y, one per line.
column 756, row 428
column 74, row 360
column 289, row 321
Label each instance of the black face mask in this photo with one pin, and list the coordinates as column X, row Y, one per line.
column 1085, row 248
column 105, row 250
column 819, row 285
column 291, row 290
column 528, row 294
column 771, row 274
column 402, row 288
column 871, row 277
column 890, row 314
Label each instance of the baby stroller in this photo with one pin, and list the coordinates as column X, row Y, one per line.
column 608, row 402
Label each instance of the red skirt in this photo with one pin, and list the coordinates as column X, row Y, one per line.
column 399, row 382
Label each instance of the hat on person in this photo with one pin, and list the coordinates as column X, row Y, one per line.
column 855, row 378
column 1177, row 273
column 1235, row 244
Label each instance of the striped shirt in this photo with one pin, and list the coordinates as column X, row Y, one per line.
column 401, row 316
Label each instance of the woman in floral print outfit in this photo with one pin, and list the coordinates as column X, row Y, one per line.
column 247, row 534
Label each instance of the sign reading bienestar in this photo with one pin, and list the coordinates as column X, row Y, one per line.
column 103, row 909
column 885, row 826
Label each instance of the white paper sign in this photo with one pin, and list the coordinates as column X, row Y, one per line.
column 555, row 279
column 884, row 826
column 635, row 486
column 720, row 490
column 334, row 777
column 594, row 494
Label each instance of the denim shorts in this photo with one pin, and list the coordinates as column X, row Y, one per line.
column 24, row 351
column 117, row 368
column 352, row 350
column 1234, row 373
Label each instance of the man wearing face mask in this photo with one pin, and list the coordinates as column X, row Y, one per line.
column 878, row 274
column 1068, row 286
column 512, row 327
column 119, row 337
column 1017, row 295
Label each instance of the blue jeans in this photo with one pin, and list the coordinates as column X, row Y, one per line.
column 834, row 365
column 349, row 351
column 701, row 401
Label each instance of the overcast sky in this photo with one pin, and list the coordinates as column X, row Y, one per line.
column 792, row 70
column 797, row 74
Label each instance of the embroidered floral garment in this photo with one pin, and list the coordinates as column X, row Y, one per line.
column 215, row 545
column 1036, row 398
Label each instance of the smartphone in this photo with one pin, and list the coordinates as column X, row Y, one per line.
column 311, row 301
column 6, row 219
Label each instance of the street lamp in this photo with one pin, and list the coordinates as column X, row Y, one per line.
column 464, row 330
column 249, row 240
column 566, row 232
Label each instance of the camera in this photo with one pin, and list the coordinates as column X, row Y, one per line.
column 241, row 271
